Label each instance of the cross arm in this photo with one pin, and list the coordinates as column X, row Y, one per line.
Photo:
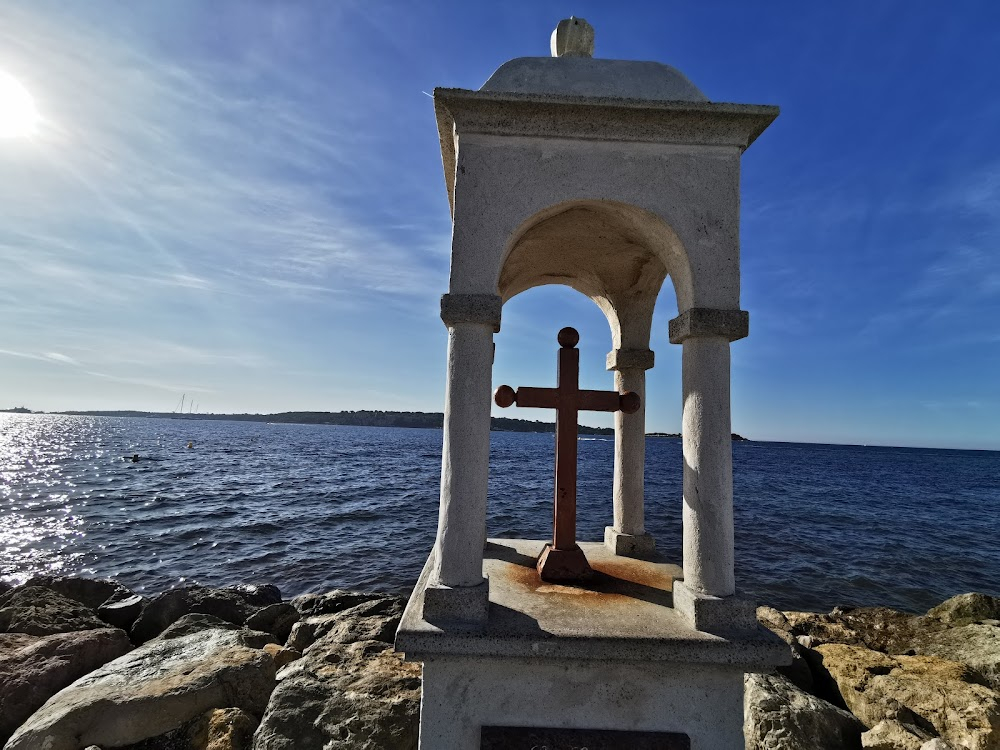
column 539, row 398
column 608, row 401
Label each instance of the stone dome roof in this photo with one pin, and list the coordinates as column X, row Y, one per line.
column 590, row 77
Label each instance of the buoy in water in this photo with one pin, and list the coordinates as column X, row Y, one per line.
column 135, row 458
column 190, row 444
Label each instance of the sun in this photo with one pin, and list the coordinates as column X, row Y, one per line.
column 18, row 116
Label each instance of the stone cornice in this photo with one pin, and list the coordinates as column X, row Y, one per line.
column 461, row 111
column 630, row 359
column 704, row 321
column 482, row 309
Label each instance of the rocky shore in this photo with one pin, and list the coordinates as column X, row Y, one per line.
column 89, row 665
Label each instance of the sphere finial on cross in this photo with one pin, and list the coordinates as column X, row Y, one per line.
column 568, row 338
column 573, row 37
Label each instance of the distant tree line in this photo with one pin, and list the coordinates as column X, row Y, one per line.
column 363, row 418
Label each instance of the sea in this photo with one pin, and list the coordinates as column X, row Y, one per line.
column 317, row 507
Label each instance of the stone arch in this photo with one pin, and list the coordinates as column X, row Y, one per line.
column 616, row 254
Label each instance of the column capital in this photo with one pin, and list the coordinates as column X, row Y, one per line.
column 706, row 321
column 630, row 359
column 483, row 309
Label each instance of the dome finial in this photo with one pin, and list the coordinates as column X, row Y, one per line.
column 573, row 37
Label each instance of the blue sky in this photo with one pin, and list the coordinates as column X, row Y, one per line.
column 243, row 202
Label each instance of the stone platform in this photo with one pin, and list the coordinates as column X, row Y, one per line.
column 624, row 613
column 609, row 655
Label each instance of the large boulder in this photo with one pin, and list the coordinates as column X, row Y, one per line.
column 798, row 671
column 332, row 602
column 922, row 690
column 875, row 628
column 374, row 619
column 234, row 605
column 90, row 592
column 967, row 608
column 34, row 668
column 777, row 715
column 276, row 619
column 122, row 613
column 890, row 734
column 223, row 729
column 356, row 696
column 37, row 610
column 151, row 691
column 977, row 645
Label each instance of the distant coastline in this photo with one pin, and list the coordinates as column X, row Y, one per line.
column 365, row 418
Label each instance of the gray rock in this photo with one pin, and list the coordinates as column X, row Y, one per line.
column 375, row 619
column 90, row 592
column 356, row 696
column 894, row 735
column 256, row 595
column 936, row 744
column 967, row 608
column 275, row 618
column 798, row 671
column 223, row 729
column 234, row 605
column 876, row 628
column 779, row 716
column 37, row 610
column 122, row 613
column 151, row 691
column 34, row 668
column 976, row 645
column 332, row 602
column 189, row 624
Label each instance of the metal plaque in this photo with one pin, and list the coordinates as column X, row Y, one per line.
column 532, row 738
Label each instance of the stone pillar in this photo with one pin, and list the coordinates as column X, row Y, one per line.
column 457, row 589
column 628, row 535
column 707, row 594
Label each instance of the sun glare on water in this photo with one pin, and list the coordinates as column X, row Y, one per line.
column 18, row 116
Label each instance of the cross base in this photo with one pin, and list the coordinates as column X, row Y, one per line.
column 563, row 565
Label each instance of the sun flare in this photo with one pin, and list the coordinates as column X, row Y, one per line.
column 18, row 116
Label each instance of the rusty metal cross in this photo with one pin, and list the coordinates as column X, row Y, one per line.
column 563, row 560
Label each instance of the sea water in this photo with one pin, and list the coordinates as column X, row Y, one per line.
column 315, row 507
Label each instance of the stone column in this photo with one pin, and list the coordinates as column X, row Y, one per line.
column 628, row 535
column 456, row 589
column 706, row 595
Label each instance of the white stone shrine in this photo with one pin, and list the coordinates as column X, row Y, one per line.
column 608, row 176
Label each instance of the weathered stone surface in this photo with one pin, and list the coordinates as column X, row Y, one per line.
column 37, row 610
column 257, row 595
column 936, row 744
column 967, row 608
column 894, row 735
column 223, row 729
column 151, row 691
column 798, row 671
column 195, row 623
column 122, row 613
column 920, row 690
column 34, row 668
column 332, row 602
column 90, row 592
column 360, row 696
column 780, row 716
column 282, row 655
column 275, row 618
column 234, row 605
column 977, row 645
column 373, row 619
column 876, row 628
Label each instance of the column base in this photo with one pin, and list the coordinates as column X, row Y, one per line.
column 714, row 614
column 563, row 565
column 457, row 606
column 640, row 546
